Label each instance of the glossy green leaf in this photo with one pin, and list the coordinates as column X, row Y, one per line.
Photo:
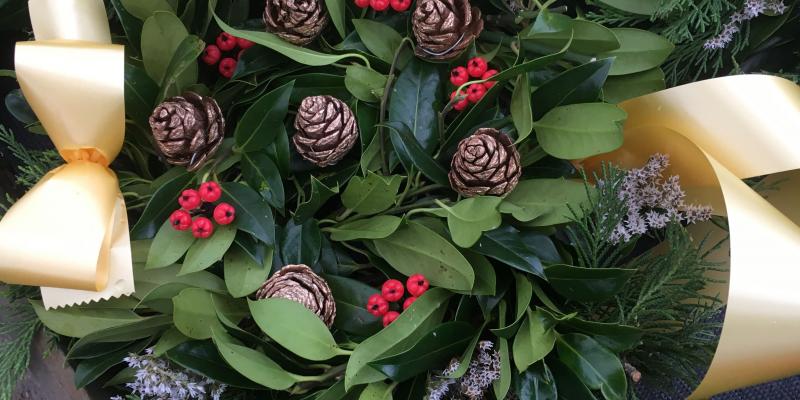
column 485, row 277
column 568, row 384
column 639, row 51
column 261, row 173
column 412, row 155
column 364, row 83
column 642, row 7
column 161, row 205
column 587, row 37
column 414, row 101
column 435, row 349
column 337, row 10
column 320, row 193
column 252, row 213
column 537, row 382
column 19, row 107
column 194, row 314
column 430, row 307
column 502, row 385
column 377, row 227
column 587, row 284
column 371, row 194
column 597, row 367
column 162, row 33
column 469, row 218
column 169, row 340
column 301, row 243
column 182, row 68
column 581, row 84
column 307, row 336
column 546, row 201
column 143, row 9
column 624, row 87
column 168, row 246
column 581, row 130
column 139, row 329
column 521, row 112
column 148, row 279
column 251, row 363
column 205, row 252
column 202, row 357
column 256, row 129
column 131, row 24
column 617, row 338
column 351, row 299
column 140, row 94
column 524, row 292
column 465, row 360
column 79, row 321
column 377, row 391
column 535, row 339
column 243, row 275
column 520, row 250
column 300, row 54
column 414, row 249
column 380, row 39
column 89, row 370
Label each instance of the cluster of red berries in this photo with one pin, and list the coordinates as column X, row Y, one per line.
column 382, row 5
column 392, row 291
column 195, row 205
column 225, row 43
column 476, row 68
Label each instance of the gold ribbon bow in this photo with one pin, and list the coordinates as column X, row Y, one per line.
column 718, row 132
column 69, row 233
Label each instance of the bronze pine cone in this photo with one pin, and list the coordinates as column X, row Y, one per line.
column 486, row 163
column 298, row 282
column 326, row 130
column 295, row 21
column 445, row 28
column 188, row 129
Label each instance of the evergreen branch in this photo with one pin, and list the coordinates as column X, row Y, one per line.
column 17, row 331
column 33, row 164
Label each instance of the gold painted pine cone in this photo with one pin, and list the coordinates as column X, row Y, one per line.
column 486, row 163
column 298, row 282
column 325, row 130
column 295, row 21
column 445, row 28
column 188, row 129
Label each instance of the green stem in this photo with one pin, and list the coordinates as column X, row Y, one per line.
column 409, row 207
column 387, row 90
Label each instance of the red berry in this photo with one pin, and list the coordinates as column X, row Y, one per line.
column 392, row 290
column 475, row 92
column 202, row 227
column 488, row 74
column 379, row 5
column 210, row 192
column 362, row 3
column 224, row 213
column 408, row 302
column 227, row 67
column 189, row 199
column 460, row 104
column 400, row 5
column 226, row 41
column 390, row 317
column 417, row 285
column 377, row 305
column 244, row 43
column 181, row 220
column 476, row 67
column 211, row 55
column 459, row 76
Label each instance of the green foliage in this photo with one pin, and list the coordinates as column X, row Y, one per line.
column 33, row 164
column 17, row 331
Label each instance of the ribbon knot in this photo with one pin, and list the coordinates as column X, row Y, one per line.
column 69, row 233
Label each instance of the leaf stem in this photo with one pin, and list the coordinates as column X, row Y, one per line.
column 387, row 90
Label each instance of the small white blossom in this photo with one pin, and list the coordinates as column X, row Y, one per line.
column 484, row 369
column 750, row 10
column 157, row 379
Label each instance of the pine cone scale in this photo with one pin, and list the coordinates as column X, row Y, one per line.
column 298, row 282
column 296, row 21
column 326, row 130
column 445, row 28
column 486, row 163
column 188, row 129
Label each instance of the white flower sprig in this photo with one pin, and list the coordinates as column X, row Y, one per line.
column 750, row 10
column 483, row 370
column 157, row 379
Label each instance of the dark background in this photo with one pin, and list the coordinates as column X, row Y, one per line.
column 787, row 389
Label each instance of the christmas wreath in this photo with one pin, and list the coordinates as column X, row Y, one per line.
column 387, row 199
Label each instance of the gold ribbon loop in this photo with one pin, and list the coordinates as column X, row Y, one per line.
column 716, row 133
column 69, row 233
